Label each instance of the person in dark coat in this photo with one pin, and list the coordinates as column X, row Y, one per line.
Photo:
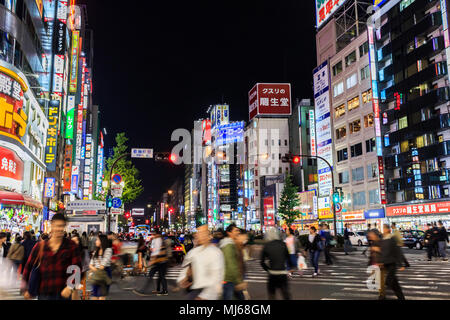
column 391, row 258
column 4, row 247
column 28, row 244
column 429, row 241
column 442, row 241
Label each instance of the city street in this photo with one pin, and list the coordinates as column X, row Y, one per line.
column 346, row 280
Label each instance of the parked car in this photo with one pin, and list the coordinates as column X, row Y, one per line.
column 358, row 238
column 413, row 239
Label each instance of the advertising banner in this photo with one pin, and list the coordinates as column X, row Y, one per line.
column 11, row 170
column 419, row 209
column 70, row 117
column 230, row 133
column 269, row 211
column 206, row 132
column 52, row 135
column 75, row 173
column 271, row 99
column 325, row 208
column 323, row 128
column 325, row 9
column 312, row 128
column 374, row 214
column 220, row 115
column 49, row 187
column 67, row 168
column 13, row 120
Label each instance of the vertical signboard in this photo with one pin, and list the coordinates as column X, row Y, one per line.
column 323, row 128
column 74, row 62
column 70, row 117
column 269, row 211
column 67, row 168
column 376, row 111
column 49, row 187
column 52, row 135
column 312, row 130
column 74, row 182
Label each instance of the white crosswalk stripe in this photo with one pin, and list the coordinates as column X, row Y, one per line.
column 422, row 281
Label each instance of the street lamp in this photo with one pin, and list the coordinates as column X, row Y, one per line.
column 149, row 206
column 170, row 192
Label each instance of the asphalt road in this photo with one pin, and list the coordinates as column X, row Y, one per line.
column 345, row 280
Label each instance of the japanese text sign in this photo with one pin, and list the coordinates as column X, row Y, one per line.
column 271, row 99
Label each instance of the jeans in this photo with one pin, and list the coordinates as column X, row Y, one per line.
column 347, row 245
column 314, row 257
column 228, row 290
column 161, row 268
column 278, row 282
column 326, row 251
column 430, row 251
column 293, row 262
column 392, row 281
column 442, row 246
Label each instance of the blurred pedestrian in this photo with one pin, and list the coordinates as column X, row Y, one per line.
column 91, row 243
column 158, row 263
column 314, row 246
column 28, row 245
column 84, row 241
column 3, row 246
column 325, row 236
column 53, row 256
column 203, row 268
column 293, row 245
column 33, row 236
column 100, row 265
column 391, row 259
column 429, row 241
column 233, row 276
column 276, row 252
column 16, row 254
column 399, row 239
column 141, row 251
column 347, row 242
column 374, row 240
column 243, row 257
column 368, row 240
column 442, row 240
column 435, row 231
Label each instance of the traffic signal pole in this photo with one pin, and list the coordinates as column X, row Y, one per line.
column 332, row 183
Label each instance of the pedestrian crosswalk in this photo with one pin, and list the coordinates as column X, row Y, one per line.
column 12, row 293
column 347, row 279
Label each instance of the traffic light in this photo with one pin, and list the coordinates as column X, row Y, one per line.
column 290, row 158
column 109, row 203
column 127, row 215
column 173, row 158
column 165, row 157
column 147, row 222
column 336, row 197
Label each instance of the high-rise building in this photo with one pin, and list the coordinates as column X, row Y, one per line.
column 409, row 51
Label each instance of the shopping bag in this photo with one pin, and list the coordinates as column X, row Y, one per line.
column 301, row 263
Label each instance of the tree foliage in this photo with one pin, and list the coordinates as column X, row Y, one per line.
column 130, row 174
column 289, row 200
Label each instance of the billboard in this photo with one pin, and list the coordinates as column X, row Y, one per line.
column 325, row 9
column 419, row 209
column 70, row 117
column 312, row 129
column 206, row 132
column 11, row 170
column 52, row 135
column 67, row 168
column 270, row 99
column 49, row 187
column 137, row 212
column 269, row 211
column 378, row 3
column 74, row 61
column 323, row 128
column 220, row 115
column 230, row 133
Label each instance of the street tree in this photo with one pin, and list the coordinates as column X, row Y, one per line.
column 289, row 201
column 130, row 174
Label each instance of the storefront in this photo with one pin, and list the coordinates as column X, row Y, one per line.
column 376, row 218
column 19, row 213
column 416, row 216
column 355, row 220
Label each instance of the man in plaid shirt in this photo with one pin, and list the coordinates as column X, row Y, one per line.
column 59, row 253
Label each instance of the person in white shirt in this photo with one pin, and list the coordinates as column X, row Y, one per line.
column 203, row 268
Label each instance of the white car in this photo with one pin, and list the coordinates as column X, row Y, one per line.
column 358, row 238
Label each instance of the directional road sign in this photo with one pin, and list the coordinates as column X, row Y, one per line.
column 142, row 153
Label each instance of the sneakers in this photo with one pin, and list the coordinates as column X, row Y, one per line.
column 156, row 291
column 163, row 293
column 445, row 259
column 315, row 275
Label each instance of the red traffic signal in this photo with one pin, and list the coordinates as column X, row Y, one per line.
column 147, row 222
column 296, row 160
column 173, row 158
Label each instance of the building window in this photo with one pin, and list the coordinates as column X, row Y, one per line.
column 338, row 89
column 370, row 145
column 343, row 177
column 365, row 72
column 356, row 150
column 350, row 59
column 368, row 120
column 355, row 126
column 358, row 174
column 342, row 155
column 352, row 81
column 374, row 196
column 353, row 103
column 267, row 142
column 337, row 68
column 279, row 142
column 363, row 49
column 285, row 142
column 367, row 96
column 273, row 142
column 359, row 198
column 372, row 171
column 341, row 132
column 404, row 146
column 280, row 171
column 404, row 4
column 403, row 123
column 339, row 111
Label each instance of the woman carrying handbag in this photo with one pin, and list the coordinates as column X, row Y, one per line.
column 101, row 276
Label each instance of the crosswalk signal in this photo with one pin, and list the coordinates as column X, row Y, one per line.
column 109, row 203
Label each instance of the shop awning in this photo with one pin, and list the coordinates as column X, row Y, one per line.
column 14, row 198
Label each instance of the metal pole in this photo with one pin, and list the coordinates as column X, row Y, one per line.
column 108, row 220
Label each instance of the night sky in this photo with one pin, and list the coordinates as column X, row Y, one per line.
column 158, row 68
